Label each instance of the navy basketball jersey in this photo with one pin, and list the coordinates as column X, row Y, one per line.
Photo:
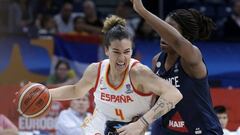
column 194, row 114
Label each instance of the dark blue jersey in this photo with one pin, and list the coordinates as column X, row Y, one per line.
column 194, row 114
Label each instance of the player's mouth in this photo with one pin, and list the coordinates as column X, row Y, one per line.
column 121, row 65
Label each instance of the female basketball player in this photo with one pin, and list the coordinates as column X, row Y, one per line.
column 123, row 87
column 181, row 63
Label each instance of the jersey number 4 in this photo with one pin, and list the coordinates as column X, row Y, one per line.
column 119, row 113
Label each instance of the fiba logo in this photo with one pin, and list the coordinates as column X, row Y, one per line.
column 129, row 90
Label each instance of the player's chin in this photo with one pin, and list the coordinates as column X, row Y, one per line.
column 121, row 70
column 163, row 48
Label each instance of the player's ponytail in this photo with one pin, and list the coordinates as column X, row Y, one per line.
column 206, row 24
column 115, row 28
column 193, row 25
column 111, row 22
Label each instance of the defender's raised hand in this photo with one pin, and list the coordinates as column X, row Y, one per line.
column 137, row 5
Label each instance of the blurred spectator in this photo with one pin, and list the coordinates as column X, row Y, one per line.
column 7, row 127
column 90, row 14
column 91, row 23
column 144, row 31
column 69, row 121
column 231, row 27
column 14, row 17
column 64, row 20
column 26, row 17
column 55, row 109
column 63, row 75
column 47, row 26
column 77, row 5
column 222, row 115
column 238, row 131
column 78, row 25
column 51, row 7
column 124, row 10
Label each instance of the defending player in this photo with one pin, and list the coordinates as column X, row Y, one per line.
column 181, row 63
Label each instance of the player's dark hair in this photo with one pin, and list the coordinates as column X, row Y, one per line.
column 115, row 29
column 193, row 25
column 220, row 109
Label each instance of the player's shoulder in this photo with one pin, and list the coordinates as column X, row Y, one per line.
column 92, row 69
column 94, row 66
column 196, row 48
column 139, row 69
column 155, row 58
column 138, row 74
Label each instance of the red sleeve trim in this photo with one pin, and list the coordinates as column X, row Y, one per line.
column 98, row 75
column 134, row 89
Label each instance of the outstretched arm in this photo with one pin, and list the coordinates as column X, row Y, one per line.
column 79, row 89
column 146, row 81
column 169, row 95
column 171, row 36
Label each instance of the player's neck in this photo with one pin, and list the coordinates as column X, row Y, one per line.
column 171, row 60
column 115, row 77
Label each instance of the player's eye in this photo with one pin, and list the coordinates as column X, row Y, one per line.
column 116, row 52
column 126, row 52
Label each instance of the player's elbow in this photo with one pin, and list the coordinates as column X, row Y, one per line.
column 76, row 91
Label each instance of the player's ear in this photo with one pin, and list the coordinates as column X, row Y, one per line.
column 106, row 51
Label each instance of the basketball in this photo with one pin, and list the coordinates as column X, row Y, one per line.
column 34, row 100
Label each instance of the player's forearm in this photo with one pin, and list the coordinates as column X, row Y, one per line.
column 167, row 32
column 163, row 105
column 67, row 92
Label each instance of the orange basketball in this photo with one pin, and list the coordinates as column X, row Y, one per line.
column 34, row 100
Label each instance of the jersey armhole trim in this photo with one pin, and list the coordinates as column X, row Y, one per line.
column 134, row 89
column 98, row 75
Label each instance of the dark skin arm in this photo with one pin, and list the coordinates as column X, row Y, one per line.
column 191, row 57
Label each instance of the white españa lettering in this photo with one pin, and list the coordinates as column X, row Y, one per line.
column 116, row 98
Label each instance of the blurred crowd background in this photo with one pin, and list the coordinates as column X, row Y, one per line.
column 53, row 41
column 41, row 17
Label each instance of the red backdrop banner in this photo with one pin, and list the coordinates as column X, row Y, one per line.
column 220, row 96
column 230, row 98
